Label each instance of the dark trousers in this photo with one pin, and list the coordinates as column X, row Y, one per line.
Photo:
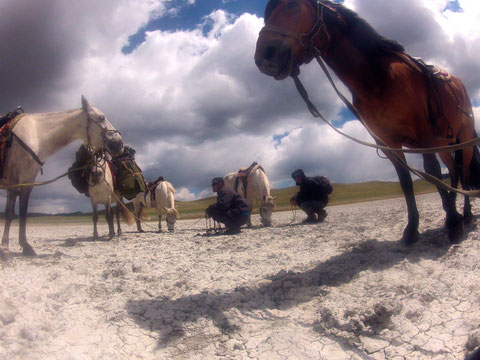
column 231, row 218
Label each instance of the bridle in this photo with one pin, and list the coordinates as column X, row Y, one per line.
column 306, row 40
column 104, row 131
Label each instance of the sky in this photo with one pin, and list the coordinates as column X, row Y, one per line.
column 178, row 79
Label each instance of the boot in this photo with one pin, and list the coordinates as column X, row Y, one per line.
column 311, row 218
column 322, row 214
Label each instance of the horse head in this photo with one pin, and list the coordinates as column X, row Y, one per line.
column 171, row 217
column 100, row 133
column 294, row 32
column 97, row 175
column 266, row 210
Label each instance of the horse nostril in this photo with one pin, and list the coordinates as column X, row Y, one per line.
column 269, row 53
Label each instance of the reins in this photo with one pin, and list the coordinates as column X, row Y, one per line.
column 320, row 24
column 432, row 179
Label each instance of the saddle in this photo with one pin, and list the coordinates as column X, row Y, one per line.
column 7, row 122
column 243, row 173
column 152, row 185
column 432, row 75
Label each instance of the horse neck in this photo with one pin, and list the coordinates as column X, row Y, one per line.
column 361, row 75
column 54, row 131
column 170, row 197
column 262, row 183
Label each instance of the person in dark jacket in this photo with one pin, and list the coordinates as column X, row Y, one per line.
column 230, row 209
column 312, row 197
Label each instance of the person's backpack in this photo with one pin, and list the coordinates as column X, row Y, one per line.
column 324, row 184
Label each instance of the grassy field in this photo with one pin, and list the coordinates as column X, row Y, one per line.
column 342, row 194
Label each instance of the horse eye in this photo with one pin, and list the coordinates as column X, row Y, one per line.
column 102, row 118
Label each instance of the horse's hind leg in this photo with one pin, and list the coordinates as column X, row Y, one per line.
column 24, row 197
column 410, row 234
column 9, row 215
column 454, row 221
column 95, row 220
column 117, row 213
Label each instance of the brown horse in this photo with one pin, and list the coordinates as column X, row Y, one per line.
column 398, row 102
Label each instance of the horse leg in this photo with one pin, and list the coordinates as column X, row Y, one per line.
column 9, row 215
column 119, row 229
column 109, row 218
column 159, row 211
column 24, row 197
column 454, row 221
column 95, row 219
column 410, row 234
column 138, row 212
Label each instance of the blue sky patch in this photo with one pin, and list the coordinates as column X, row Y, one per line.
column 454, row 6
column 181, row 15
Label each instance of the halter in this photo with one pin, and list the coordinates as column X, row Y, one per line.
column 305, row 39
column 104, row 132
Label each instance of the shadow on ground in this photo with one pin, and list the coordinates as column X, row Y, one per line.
column 167, row 316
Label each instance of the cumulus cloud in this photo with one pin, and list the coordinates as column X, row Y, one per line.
column 192, row 103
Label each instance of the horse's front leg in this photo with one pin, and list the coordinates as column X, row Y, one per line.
column 454, row 221
column 109, row 218
column 95, row 219
column 117, row 213
column 9, row 215
column 410, row 234
column 137, row 210
column 250, row 208
column 24, row 197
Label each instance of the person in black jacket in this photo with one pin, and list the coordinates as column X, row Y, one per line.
column 312, row 197
column 230, row 209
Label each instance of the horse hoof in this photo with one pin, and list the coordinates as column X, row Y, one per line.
column 28, row 251
column 455, row 233
column 410, row 238
column 468, row 219
column 4, row 255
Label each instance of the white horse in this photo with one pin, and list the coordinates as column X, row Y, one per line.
column 101, row 191
column 258, row 188
column 164, row 199
column 38, row 136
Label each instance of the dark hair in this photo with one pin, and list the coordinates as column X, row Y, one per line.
column 298, row 173
column 217, row 180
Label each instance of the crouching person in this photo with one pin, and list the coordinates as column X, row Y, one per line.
column 230, row 209
column 313, row 195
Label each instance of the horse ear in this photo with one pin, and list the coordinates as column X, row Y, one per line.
column 85, row 104
column 274, row 198
column 165, row 208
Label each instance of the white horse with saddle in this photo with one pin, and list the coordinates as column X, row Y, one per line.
column 101, row 191
column 36, row 137
column 252, row 183
column 161, row 196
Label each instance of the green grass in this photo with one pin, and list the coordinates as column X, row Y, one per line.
column 342, row 194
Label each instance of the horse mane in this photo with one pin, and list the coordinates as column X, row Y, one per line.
column 367, row 40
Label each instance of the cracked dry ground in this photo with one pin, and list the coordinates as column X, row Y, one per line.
column 344, row 289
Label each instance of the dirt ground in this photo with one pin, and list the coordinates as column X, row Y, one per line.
column 342, row 289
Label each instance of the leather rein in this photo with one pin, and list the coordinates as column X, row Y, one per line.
column 381, row 145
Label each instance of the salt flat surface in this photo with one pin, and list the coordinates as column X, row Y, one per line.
column 343, row 289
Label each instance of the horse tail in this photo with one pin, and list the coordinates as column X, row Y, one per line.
column 475, row 167
column 126, row 215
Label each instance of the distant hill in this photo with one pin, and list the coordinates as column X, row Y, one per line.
column 342, row 194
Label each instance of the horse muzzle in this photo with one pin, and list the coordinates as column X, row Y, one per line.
column 114, row 144
column 274, row 59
